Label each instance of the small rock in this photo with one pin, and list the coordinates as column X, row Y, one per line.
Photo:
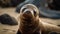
column 59, row 25
column 53, row 33
column 6, row 19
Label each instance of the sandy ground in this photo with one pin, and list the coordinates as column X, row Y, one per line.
column 6, row 29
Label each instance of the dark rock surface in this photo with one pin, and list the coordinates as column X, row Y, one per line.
column 55, row 5
column 53, row 33
column 6, row 19
column 9, row 3
column 59, row 25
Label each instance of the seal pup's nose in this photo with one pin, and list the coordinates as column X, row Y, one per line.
column 27, row 12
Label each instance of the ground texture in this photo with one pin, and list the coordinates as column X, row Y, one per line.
column 7, row 29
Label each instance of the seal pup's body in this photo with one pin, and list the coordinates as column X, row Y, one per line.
column 29, row 20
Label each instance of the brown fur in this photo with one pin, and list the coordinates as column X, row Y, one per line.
column 29, row 24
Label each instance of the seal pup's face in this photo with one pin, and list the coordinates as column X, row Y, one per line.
column 29, row 19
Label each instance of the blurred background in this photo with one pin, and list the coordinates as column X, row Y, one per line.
column 10, row 9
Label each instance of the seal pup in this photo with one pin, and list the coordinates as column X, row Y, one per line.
column 29, row 20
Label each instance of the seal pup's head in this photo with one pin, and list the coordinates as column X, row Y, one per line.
column 29, row 19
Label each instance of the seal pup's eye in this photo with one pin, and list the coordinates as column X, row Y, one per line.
column 34, row 13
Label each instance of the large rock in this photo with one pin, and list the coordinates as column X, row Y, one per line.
column 55, row 5
column 6, row 19
column 53, row 33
